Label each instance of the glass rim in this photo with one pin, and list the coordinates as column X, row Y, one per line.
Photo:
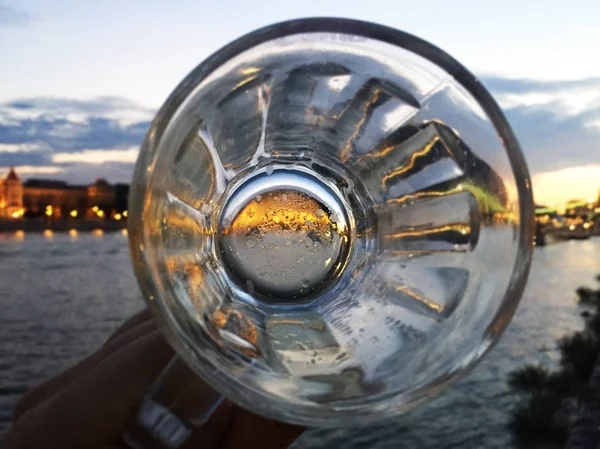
column 377, row 32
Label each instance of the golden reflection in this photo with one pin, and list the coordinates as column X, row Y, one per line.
column 73, row 233
column 285, row 210
column 124, row 232
column 238, row 324
column 117, row 217
column 244, row 82
column 48, row 233
column 98, row 232
column 318, row 325
column 411, row 162
column 73, row 214
column 373, row 99
column 20, row 235
column 420, row 298
column 250, row 70
column 425, row 195
column 463, row 229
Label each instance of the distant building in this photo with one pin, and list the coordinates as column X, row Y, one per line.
column 59, row 199
column 38, row 194
column 101, row 194
column 11, row 195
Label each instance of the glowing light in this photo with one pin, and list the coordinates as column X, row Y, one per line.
column 95, row 208
column 124, row 232
column 98, row 232
column 100, row 213
column 117, row 217
column 587, row 225
column 572, row 227
column 48, row 233
column 20, row 235
column 125, row 213
column 73, row 214
column 73, row 233
column 49, row 211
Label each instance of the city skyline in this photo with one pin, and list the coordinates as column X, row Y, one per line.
column 85, row 82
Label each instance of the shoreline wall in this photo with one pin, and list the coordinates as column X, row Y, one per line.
column 61, row 225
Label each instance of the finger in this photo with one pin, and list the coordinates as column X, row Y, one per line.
column 94, row 408
column 45, row 391
column 133, row 321
column 213, row 422
column 251, row 431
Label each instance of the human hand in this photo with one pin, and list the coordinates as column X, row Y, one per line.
column 91, row 404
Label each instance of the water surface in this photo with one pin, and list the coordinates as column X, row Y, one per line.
column 63, row 294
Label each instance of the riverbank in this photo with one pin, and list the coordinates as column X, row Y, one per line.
column 61, row 225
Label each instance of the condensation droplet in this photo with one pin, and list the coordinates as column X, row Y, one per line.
column 258, row 198
column 284, row 197
column 320, row 213
column 250, row 286
column 269, row 170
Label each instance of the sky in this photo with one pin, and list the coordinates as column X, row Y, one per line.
column 80, row 81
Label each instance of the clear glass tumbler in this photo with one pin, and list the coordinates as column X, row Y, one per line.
column 332, row 221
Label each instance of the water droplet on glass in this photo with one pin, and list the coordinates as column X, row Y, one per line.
column 269, row 170
column 250, row 286
column 257, row 198
column 320, row 213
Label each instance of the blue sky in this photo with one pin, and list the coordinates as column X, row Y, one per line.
column 80, row 80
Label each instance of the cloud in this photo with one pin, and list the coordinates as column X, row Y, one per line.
column 29, row 170
column 20, row 147
column 557, row 122
column 95, row 157
column 73, row 134
column 13, row 17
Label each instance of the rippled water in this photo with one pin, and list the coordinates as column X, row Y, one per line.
column 62, row 295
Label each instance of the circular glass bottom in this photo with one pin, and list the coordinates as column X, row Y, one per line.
column 282, row 234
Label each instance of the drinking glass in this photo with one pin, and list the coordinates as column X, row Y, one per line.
column 331, row 220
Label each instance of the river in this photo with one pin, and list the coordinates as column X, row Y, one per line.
column 63, row 294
